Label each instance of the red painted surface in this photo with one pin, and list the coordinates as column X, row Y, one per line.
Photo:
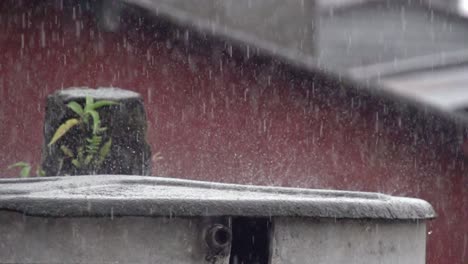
column 216, row 118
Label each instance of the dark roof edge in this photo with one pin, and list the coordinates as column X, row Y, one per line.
column 201, row 25
column 414, row 64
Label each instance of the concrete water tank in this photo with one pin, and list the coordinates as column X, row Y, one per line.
column 137, row 219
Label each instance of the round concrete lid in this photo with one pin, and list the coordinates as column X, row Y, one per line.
column 119, row 195
column 101, row 93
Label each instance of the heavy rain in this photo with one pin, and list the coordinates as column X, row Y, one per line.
column 242, row 132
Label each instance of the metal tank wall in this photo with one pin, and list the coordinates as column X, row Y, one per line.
column 217, row 112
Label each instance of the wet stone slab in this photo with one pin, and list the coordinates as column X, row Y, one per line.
column 99, row 195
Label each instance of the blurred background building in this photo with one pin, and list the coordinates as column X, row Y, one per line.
column 358, row 95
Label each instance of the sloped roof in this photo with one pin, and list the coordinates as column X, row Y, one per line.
column 283, row 28
column 341, row 35
column 384, row 37
column 445, row 88
column 364, row 42
column 364, row 39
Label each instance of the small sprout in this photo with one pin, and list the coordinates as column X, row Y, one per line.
column 25, row 168
column 76, row 163
column 67, row 151
column 75, row 107
column 90, row 152
column 96, row 120
column 89, row 103
column 63, row 129
column 104, row 151
column 40, row 172
column 102, row 103
column 88, row 159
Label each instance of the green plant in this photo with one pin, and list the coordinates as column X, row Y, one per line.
column 26, row 169
column 89, row 151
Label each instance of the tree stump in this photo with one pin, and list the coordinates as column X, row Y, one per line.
column 125, row 124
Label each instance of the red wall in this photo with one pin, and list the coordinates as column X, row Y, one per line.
column 214, row 117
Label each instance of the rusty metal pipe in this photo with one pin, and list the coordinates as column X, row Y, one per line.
column 218, row 238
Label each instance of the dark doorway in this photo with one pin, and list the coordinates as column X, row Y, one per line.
column 250, row 241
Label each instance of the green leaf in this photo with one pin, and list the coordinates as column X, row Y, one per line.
column 25, row 168
column 40, row 172
column 75, row 107
column 79, row 160
column 102, row 103
column 25, row 171
column 67, row 151
column 80, row 152
column 89, row 103
column 63, row 129
column 88, row 159
column 20, row 164
column 76, row 163
column 93, row 144
column 104, row 151
column 96, row 121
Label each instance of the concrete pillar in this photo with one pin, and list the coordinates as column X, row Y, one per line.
column 137, row 219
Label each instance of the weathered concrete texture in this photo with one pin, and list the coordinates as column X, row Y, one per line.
column 137, row 219
column 134, row 240
column 152, row 196
column 126, row 125
column 301, row 241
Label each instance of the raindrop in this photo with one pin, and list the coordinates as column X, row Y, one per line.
column 230, row 50
column 321, row 129
column 403, row 18
column 23, row 20
column 77, row 29
column 377, row 122
column 43, row 36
